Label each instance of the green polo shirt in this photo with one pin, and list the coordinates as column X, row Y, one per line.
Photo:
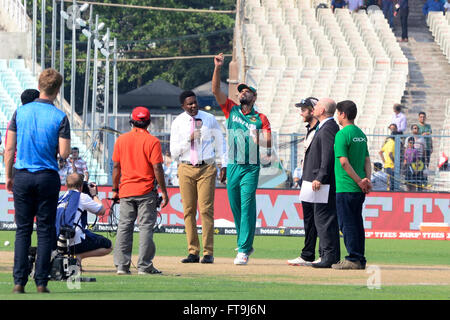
column 350, row 142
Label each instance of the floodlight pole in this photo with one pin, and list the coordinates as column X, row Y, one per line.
column 94, row 78
column 54, row 8
column 73, row 70
column 115, row 96
column 106, row 103
column 33, row 50
column 61, row 55
column 88, row 71
column 43, row 34
column 106, row 106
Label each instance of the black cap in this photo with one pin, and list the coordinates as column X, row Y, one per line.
column 243, row 86
column 378, row 165
column 308, row 103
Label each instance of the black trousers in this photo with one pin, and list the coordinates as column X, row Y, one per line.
column 349, row 209
column 309, row 250
column 403, row 13
column 35, row 196
column 325, row 219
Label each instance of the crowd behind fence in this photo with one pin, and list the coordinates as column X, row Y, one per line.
column 409, row 170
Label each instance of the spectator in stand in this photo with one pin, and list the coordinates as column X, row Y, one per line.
column 219, row 182
column 432, row 5
column 403, row 12
column 425, row 130
column 170, row 168
column 297, row 176
column 77, row 164
column 387, row 154
column 393, row 128
column 379, row 178
column 446, row 6
column 399, row 118
column 63, row 170
column 355, row 5
column 338, row 4
column 388, row 10
column 420, row 146
column 412, row 164
column 420, row 143
column 289, row 183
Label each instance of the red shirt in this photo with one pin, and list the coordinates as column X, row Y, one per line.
column 137, row 151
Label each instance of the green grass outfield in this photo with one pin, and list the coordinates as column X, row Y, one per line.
column 172, row 287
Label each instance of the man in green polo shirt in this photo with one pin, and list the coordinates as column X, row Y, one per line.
column 352, row 170
column 425, row 130
column 247, row 130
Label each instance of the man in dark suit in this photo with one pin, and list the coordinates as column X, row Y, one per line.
column 318, row 169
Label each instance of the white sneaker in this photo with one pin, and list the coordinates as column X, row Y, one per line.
column 122, row 272
column 241, row 258
column 318, row 260
column 299, row 262
column 248, row 253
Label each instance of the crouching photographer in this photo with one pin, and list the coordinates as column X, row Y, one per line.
column 71, row 216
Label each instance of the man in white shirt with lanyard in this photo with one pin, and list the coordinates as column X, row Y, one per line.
column 196, row 141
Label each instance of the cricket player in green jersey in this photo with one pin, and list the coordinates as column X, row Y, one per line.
column 247, row 130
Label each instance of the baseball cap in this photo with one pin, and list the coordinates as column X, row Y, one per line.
column 308, row 103
column 243, row 86
column 140, row 114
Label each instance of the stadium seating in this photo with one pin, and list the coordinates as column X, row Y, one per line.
column 341, row 55
column 16, row 77
column 293, row 50
column 439, row 27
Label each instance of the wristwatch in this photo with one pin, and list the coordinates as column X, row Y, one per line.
column 115, row 189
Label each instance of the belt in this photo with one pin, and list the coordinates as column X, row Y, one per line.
column 199, row 164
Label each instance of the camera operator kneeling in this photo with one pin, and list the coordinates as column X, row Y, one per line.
column 84, row 243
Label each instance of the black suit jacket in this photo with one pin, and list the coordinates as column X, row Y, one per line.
column 319, row 157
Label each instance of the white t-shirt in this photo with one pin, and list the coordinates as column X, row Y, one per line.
column 86, row 203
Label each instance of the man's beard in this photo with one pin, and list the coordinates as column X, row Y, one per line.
column 307, row 119
column 245, row 101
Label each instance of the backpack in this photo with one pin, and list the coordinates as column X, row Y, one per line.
column 66, row 212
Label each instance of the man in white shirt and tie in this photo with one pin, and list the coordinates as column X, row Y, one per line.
column 196, row 141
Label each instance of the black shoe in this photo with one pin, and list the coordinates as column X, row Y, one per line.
column 191, row 258
column 152, row 270
column 207, row 259
column 321, row 264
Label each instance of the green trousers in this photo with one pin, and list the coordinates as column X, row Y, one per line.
column 242, row 181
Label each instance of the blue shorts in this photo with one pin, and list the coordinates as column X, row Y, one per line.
column 91, row 242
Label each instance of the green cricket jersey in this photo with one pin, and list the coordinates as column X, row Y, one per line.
column 241, row 148
column 350, row 142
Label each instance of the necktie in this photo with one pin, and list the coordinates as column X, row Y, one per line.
column 193, row 153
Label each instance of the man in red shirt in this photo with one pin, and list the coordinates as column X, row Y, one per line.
column 138, row 162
